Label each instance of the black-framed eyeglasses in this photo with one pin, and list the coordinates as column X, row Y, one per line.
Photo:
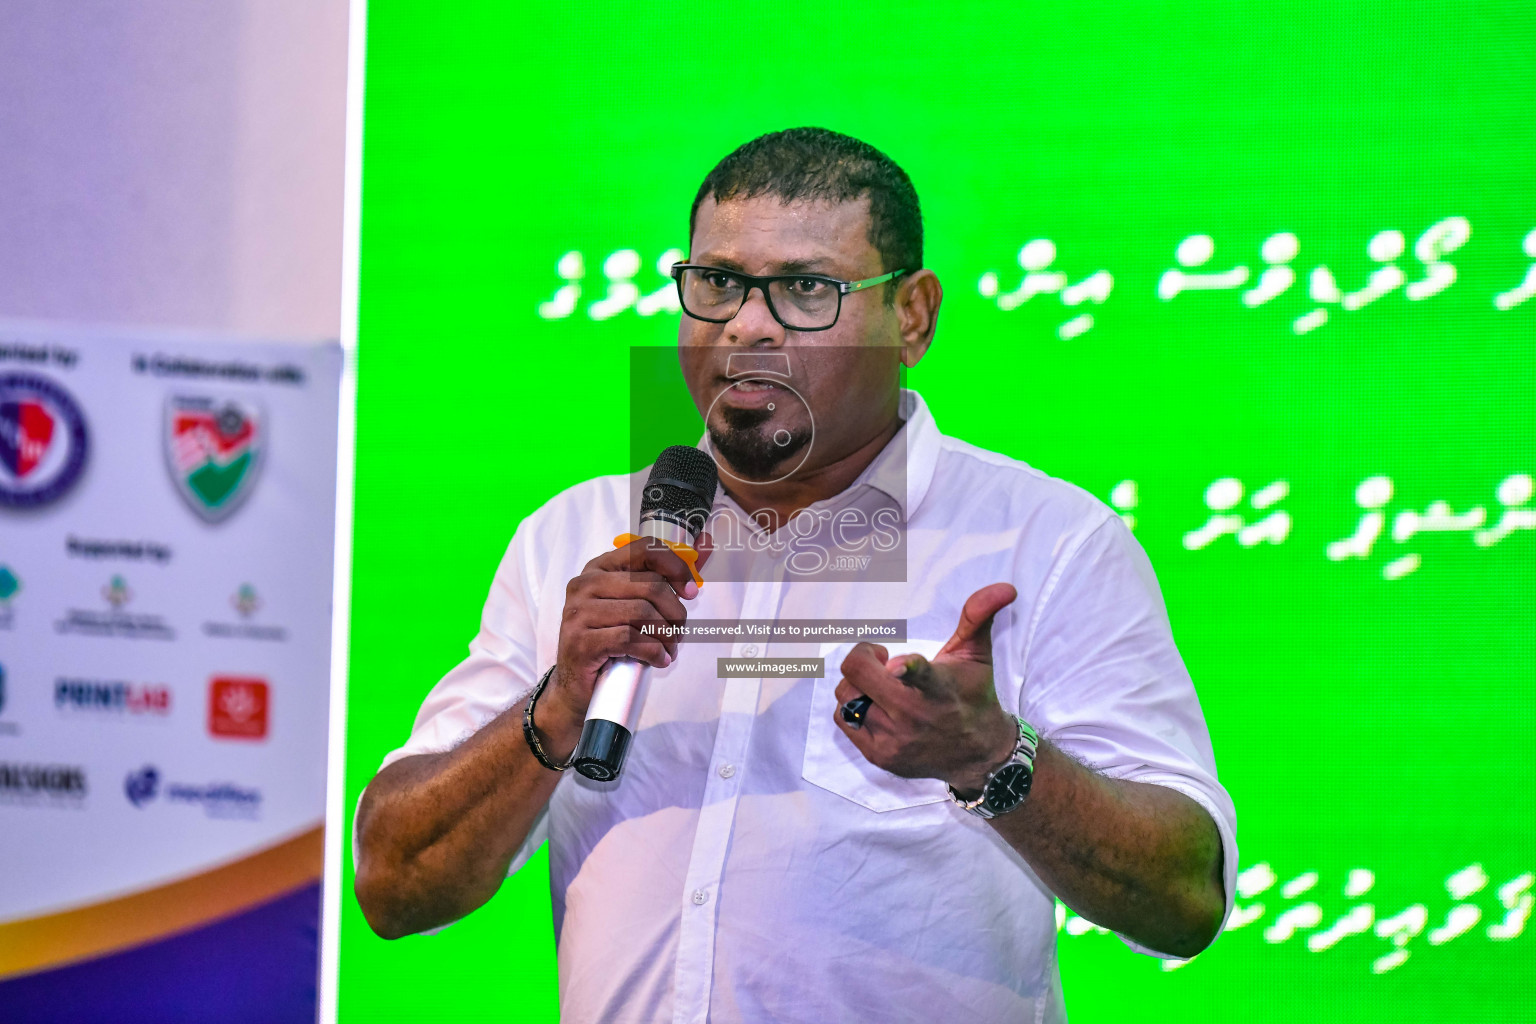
column 801, row 302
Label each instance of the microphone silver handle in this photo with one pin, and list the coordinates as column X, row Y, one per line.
column 613, row 715
column 618, row 694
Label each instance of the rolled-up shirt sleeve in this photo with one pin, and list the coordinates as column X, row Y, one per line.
column 1104, row 681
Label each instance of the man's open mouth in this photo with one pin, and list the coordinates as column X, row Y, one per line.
column 755, row 384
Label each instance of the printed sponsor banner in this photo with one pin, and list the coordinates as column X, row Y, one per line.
column 166, row 529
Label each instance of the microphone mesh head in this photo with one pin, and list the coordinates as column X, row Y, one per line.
column 681, row 487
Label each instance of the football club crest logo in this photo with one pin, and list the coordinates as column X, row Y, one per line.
column 214, row 450
column 43, row 441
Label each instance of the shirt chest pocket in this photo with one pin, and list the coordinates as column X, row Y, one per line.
column 833, row 763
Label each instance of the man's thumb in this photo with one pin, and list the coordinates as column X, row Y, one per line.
column 973, row 637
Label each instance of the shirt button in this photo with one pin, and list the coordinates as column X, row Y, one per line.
column 749, row 651
column 727, row 770
column 700, row 897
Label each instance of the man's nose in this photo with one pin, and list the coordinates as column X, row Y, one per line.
column 754, row 323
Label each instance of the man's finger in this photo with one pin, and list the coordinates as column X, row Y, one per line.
column 865, row 670
column 645, row 554
column 622, row 642
column 913, row 670
column 973, row 636
column 613, row 586
column 845, row 691
column 639, row 616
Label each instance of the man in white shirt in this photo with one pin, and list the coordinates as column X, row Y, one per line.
column 800, row 848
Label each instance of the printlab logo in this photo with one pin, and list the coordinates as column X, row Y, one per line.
column 246, row 603
column 237, row 708
column 43, row 441
column 111, row 696
column 10, row 586
column 213, row 448
column 217, row 799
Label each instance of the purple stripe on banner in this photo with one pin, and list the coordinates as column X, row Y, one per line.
column 260, row 966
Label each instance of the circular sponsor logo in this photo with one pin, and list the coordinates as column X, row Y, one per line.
column 141, row 786
column 43, row 441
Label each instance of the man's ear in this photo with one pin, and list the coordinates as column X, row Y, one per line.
column 917, row 310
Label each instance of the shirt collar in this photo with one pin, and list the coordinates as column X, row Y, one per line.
column 904, row 467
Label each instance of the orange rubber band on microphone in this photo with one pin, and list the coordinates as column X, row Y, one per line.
column 683, row 551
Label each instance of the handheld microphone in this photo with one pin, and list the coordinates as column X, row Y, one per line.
column 673, row 508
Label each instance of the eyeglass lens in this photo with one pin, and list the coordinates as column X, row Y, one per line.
column 799, row 302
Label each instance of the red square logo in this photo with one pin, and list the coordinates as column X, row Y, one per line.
column 237, row 707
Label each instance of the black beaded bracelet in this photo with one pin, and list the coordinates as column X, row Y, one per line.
column 532, row 737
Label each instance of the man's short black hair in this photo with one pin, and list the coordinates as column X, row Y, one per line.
column 817, row 164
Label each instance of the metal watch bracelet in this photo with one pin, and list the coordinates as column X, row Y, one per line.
column 1023, row 753
column 533, row 737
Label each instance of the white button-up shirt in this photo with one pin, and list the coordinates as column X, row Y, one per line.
column 750, row 864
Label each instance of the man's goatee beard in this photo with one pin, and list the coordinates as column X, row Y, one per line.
column 747, row 445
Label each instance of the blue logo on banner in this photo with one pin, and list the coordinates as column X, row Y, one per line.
column 142, row 785
column 43, row 441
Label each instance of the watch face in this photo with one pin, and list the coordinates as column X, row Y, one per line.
column 1008, row 788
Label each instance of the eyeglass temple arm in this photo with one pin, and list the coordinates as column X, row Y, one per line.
column 870, row 282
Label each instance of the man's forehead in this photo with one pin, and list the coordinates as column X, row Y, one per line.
column 766, row 228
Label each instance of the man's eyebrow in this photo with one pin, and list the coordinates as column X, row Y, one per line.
column 723, row 262
column 811, row 265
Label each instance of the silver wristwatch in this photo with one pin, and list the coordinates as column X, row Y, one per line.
column 1008, row 785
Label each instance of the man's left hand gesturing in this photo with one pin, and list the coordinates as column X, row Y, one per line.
column 1143, row 859
column 936, row 719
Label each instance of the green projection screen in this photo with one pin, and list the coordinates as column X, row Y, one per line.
column 1263, row 277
